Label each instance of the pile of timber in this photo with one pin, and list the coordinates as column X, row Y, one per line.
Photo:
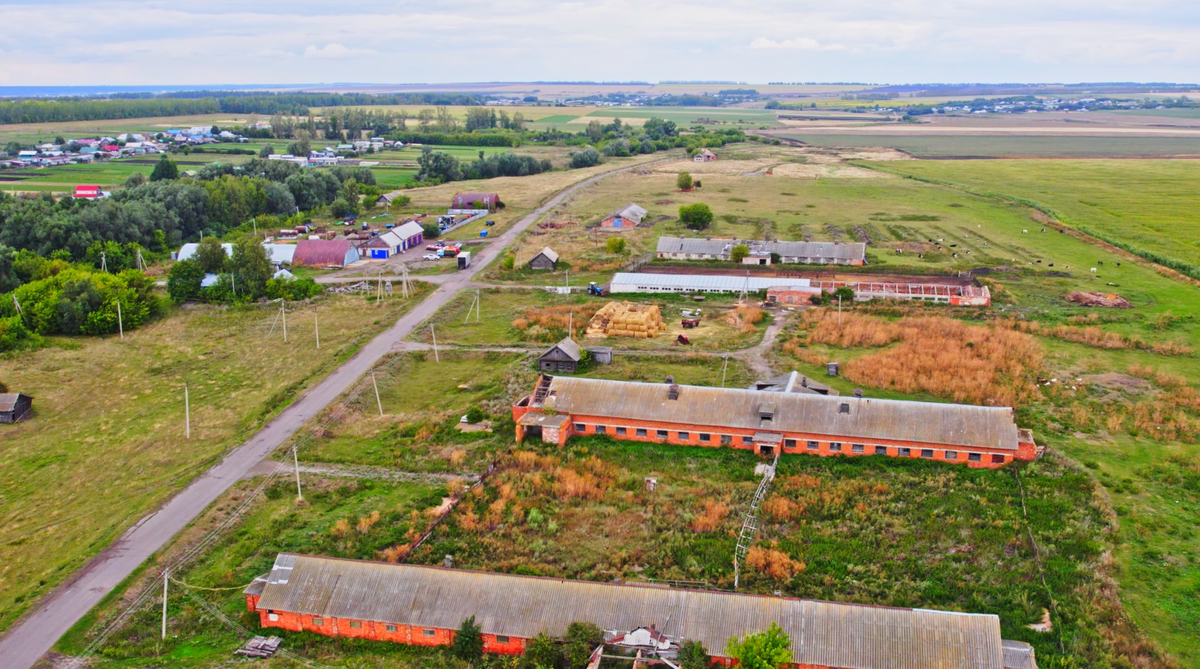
column 260, row 647
column 622, row 319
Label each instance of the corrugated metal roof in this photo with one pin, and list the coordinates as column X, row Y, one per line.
column 549, row 253
column 280, row 252
column 1018, row 655
column 631, row 282
column 188, row 251
column 823, row 633
column 921, row 422
column 631, row 212
column 569, row 347
column 388, row 239
column 321, row 252
column 8, row 401
column 720, row 247
column 409, row 229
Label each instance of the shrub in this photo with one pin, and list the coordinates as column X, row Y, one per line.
column 476, row 415
column 581, row 640
column 542, row 652
column 773, row 563
column 739, row 253
column 77, row 301
column 468, row 641
column 293, row 290
column 693, row 655
column 588, row 157
column 769, row 649
column 696, row 216
column 714, row 513
column 615, row 245
column 683, row 181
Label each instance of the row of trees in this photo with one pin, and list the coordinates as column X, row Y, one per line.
column 439, row 167
column 244, row 276
column 769, row 649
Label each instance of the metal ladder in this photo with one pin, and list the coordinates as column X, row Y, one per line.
column 750, row 525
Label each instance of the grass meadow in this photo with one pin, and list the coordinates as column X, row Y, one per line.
column 107, row 443
column 1007, row 145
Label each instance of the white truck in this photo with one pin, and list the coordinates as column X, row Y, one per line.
column 464, row 260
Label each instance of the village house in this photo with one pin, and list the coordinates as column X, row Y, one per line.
column 704, row 156
column 545, row 259
column 760, row 252
column 629, row 216
column 395, row 241
column 767, row 422
column 15, row 407
column 563, row 357
column 425, row 606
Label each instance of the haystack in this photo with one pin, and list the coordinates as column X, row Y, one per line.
column 622, row 319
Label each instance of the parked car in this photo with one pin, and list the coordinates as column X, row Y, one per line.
column 432, row 247
column 430, row 256
column 491, row 223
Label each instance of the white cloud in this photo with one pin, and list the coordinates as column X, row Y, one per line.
column 800, row 44
column 335, row 50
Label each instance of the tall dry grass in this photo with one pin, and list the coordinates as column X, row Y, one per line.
column 773, row 562
column 743, row 317
column 1097, row 337
column 979, row 364
column 711, row 518
column 558, row 316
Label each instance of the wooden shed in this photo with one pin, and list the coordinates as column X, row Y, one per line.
column 16, row 407
column 562, row 357
column 545, row 259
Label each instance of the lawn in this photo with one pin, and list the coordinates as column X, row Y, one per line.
column 107, row 443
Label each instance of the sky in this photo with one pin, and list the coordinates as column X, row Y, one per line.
column 186, row 42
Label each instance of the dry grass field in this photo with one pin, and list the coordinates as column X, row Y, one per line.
column 107, row 443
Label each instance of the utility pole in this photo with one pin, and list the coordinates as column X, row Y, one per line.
column 296, row 463
column 187, row 413
column 377, row 402
column 120, row 323
column 571, row 325
column 17, row 304
column 317, row 329
column 140, row 261
column 434, row 335
column 103, row 262
column 723, row 368
column 839, row 312
column 283, row 312
column 478, row 304
column 166, row 576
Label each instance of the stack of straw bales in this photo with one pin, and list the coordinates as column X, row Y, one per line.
column 622, row 319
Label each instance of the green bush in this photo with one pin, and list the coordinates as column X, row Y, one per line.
column 293, row 290
column 15, row 336
column 78, row 301
column 696, row 216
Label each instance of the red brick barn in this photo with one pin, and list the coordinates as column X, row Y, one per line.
column 765, row 421
column 426, row 605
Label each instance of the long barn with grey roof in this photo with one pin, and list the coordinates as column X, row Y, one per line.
column 425, row 606
column 770, row 422
column 817, row 253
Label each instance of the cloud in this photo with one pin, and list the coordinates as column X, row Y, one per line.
column 799, row 44
column 335, row 50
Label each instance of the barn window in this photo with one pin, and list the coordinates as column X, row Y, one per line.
column 927, row 452
column 355, row 625
column 726, row 439
column 641, row 432
column 621, row 432
column 318, row 622
column 704, row 437
column 273, row 617
column 391, row 628
column 662, row 434
column 904, row 452
column 881, row 450
column 580, row 428
column 813, row 446
column 747, row 441
column 974, row 457
column 858, row 448
column 501, row 639
column 844, row 408
column 835, row 446
column 684, row 436
column 601, row 429
column 951, row 455
column 997, row 459
column 789, row 443
column 428, row 632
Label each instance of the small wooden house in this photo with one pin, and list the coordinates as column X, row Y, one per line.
column 704, row 156
column 562, row 357
column 545, row 259
column 16, row 407
column 600, row 354
column 629, row 216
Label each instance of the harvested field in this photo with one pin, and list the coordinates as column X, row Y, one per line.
column 799, row 171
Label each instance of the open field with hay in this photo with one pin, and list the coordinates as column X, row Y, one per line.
column 1004, row 146
column 107, row 441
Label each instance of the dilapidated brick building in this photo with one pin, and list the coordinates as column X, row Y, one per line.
column 426, row 605
column 766, row 421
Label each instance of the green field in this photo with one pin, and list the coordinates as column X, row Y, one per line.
column 1150, row 205
column 1010, row 146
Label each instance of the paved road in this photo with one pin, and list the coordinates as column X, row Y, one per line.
column 26, row 642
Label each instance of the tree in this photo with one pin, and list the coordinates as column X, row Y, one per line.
column 468, row 641
column 134, row 180
column 693, row 655
column 696, row 216
column 615, row 244
column 683, row 181
column 183, row 281
column 431, row 230
column 739, row 252
column 769, row 649
column 595, row 131
column 252, row 268
column 165, row 170
column 475, row 415
column 425, row 119
column 210, row 256
column 299, row 148
column 845, row 292
column 581, row 640
column 438, row 167
column 542, row 652
column 266, row 151
column 588, row 157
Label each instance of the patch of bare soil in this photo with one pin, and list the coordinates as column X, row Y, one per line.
column 1111, row 300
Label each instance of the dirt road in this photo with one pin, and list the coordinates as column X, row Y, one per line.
column 29, row 639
